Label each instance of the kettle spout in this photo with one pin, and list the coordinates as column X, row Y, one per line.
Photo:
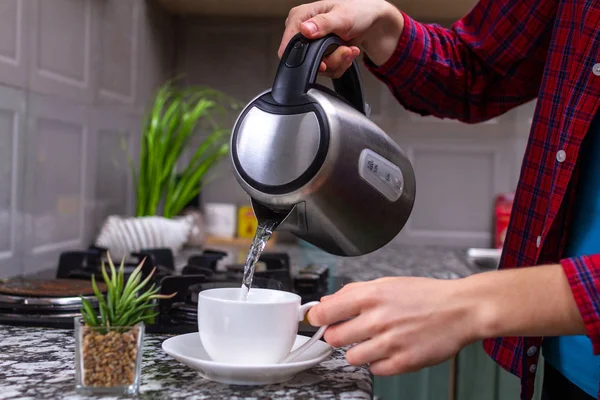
column 293, row 221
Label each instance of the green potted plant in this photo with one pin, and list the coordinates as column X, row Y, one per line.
column 165, row 183
column 176, row 116
column 109, row 339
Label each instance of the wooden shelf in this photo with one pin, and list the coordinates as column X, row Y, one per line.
column 422, row 10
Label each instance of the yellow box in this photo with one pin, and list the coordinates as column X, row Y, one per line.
column 247, row 222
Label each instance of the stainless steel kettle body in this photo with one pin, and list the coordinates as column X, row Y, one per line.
column 309, row 157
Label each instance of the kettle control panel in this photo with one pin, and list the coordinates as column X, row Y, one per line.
column 382, row 174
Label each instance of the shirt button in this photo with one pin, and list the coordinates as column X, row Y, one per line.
column 561, row 156
column 596, row 69
column 538, row 241
column 533, row 368
column 531, row 351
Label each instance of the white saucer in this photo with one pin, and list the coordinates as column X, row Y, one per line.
column 188, row 350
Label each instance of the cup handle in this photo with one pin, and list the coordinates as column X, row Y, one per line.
column 318, row 335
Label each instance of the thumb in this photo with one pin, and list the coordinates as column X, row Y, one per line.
column 323, row 24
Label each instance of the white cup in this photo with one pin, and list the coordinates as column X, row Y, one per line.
column 261, row 330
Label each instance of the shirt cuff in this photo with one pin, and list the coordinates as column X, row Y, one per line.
column 583, row 274
column 403, row 68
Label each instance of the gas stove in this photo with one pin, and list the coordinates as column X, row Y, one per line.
column 56, row 302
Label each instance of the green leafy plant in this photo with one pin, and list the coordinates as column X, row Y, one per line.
column 175, row 116
column 126, row 303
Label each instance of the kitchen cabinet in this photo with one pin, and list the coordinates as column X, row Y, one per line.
column 12, row 118
column 479, row 377
column 426, row 10
column 475, row 376
column 432, row 383
column 75, row 77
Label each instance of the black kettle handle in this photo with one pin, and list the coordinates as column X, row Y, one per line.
column 299, row 67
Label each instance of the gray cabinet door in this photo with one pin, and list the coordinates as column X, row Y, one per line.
column 428, row 384
column 12, row 150
column 480, row 378
column 474, row 376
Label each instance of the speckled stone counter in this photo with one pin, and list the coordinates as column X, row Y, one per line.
column 38, row 363
column 395, row 259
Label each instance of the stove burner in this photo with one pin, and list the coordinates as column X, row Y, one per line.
column 38, row 304
column 55, row 303
column 84, row 264
column 63, row 320
column 47, row 288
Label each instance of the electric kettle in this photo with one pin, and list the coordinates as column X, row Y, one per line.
column 311, row 160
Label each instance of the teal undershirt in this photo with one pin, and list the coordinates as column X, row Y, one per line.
column 573, row 356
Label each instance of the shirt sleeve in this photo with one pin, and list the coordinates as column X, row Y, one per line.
column 487, row 63
column 583, row 274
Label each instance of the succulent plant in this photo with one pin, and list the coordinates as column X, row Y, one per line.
column 126, row 303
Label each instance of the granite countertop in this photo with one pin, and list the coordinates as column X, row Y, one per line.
column 395, row 259
column 38, row 363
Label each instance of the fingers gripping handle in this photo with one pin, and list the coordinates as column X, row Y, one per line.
column 318, row 335
column 299, row 67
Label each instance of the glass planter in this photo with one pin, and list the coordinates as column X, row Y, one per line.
column 108, row 360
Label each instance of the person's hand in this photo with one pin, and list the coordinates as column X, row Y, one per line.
column 398, row 325
column 373, row 25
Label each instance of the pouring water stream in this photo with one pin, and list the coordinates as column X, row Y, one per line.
column 263, row 234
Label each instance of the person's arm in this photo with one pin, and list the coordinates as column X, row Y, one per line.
column 534, row 301
column 553, row 300
column 489, row 62
column 404, row 324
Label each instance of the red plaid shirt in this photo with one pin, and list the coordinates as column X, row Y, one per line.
column 503, row 54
